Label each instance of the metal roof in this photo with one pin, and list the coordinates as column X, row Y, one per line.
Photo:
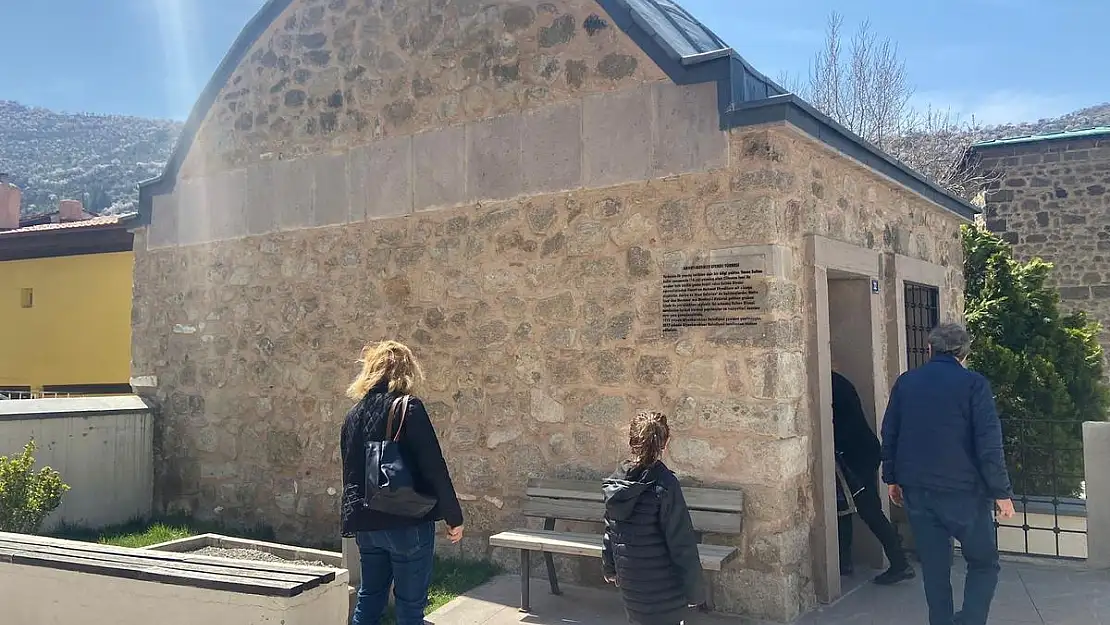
column 1095, row 131
column 69, row 226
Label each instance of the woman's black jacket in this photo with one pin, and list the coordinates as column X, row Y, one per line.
column 420, row 450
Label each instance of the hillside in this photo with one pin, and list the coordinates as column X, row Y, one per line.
column 99, row 159
column 1084, row 118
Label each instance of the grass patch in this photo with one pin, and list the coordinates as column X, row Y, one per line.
column 145, row 533
column 157, row 533
column 454, row 576
column 451, row 578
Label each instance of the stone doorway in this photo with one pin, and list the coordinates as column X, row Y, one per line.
column 847, row 322
column 852, row 351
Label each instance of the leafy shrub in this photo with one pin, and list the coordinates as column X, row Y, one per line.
column 1044, row 364
column 27, row 497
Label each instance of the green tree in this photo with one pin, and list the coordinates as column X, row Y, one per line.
column 1045, row 366
column 27, row 497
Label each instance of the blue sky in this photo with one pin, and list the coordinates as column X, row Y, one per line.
column 1001, row 60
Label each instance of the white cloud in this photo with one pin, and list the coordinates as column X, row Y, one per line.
column 1000, row 106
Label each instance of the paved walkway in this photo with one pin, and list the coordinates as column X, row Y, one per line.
column 1027, row 595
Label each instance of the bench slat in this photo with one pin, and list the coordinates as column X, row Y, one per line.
column 594, row 512
column 709, row 499
column 229, row 583
column 140, row 560
column 713, row 557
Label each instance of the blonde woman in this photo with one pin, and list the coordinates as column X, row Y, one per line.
column 395, row 549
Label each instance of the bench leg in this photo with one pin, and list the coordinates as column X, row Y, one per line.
column 710, row 584
column 525, row 591
column 549, row 560
column 551, row 578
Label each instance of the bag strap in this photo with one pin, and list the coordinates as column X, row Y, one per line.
column 390, row 433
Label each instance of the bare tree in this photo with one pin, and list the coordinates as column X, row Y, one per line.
column 864, row 87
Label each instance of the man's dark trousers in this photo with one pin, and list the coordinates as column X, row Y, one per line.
column 870, row 510
column 936, row 518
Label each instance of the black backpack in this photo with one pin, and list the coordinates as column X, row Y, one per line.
column 389, row 483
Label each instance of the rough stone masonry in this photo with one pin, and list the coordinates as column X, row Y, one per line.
column 1050, row 201
column 500, row 185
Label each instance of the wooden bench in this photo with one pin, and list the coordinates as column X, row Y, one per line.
column 712, row 510
column 76, row 575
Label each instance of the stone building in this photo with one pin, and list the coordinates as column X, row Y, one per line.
column 1050, row 201
column 572, row 210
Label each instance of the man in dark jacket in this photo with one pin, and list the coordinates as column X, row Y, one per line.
column 650, row 545
column 943, row 460
column 858, row 449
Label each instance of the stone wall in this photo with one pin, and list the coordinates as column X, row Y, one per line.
column 1051, row 202
column 519, row 246
column 332, row 74
column 539, row 322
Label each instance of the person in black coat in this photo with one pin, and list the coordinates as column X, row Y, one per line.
column 650, row 550
column 859, row 455
column 395, row 550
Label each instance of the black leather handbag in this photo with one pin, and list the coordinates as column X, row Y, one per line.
column 389, row 483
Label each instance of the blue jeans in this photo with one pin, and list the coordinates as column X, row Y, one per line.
column 936, row 518
column 402, row 557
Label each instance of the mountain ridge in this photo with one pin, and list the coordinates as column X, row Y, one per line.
column 101, row 159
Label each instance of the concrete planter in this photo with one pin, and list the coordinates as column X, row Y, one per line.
column 285, row 552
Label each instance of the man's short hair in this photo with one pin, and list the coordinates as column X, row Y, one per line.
column 950, row 339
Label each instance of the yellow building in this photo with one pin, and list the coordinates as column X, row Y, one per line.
column 65, row 304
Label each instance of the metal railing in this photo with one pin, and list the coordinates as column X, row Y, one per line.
column 1045, row 459
column 8, row 394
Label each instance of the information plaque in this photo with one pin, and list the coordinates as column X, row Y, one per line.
column 717, row 290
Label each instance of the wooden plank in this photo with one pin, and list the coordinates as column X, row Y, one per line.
column 186, row 567
column 565, row 509
column 164, row 556
column 594, row 512
column 247, row 568
column 709, row 499
column 271, row 588
column 713, row 557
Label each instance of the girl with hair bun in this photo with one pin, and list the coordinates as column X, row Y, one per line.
column 650, row 548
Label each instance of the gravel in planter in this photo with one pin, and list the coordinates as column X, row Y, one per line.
column 251, row 554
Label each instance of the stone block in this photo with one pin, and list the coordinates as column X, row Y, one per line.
column 756, row 418
column 381, row 179
column 332, row 200
column 439, row 161
column 493, row 158
column 777, row 375
column 194, row 218
column 227, row 201
column 552, row 148
column 696, row 455
column 616, row 137
column 163, row 222
column 293, row 194
column 688, row 135
column 770, row 463
column 1096, row 455
column 758, row 594
column 261, row 210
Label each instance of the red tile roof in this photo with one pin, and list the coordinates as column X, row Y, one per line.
column 95, row 222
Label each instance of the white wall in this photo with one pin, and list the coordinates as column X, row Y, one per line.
column 102, row 446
